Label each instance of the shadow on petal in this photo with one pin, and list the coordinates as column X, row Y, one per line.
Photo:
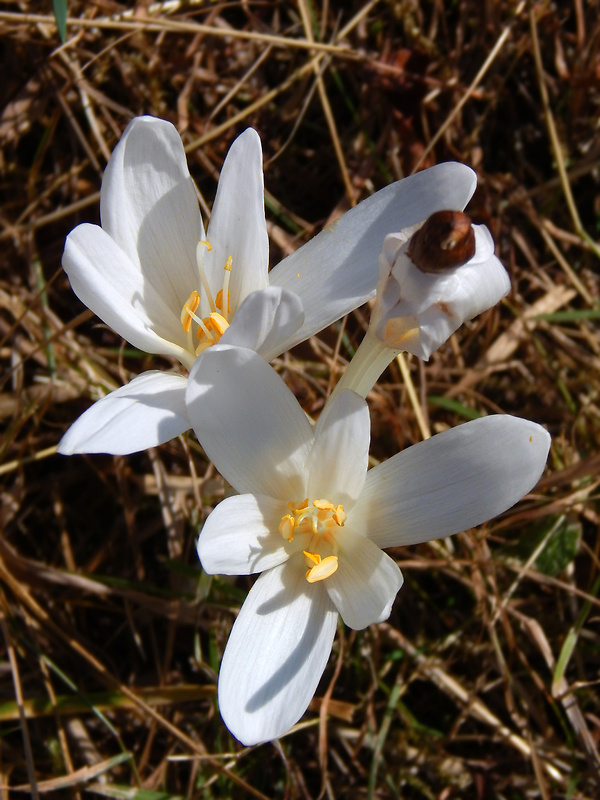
column 166, row 248
column 315, row 622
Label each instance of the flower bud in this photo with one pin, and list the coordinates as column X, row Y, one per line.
column 433, row 279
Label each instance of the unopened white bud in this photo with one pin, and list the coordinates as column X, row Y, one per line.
column 433, row 279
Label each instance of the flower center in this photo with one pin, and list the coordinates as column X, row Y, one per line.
column 319, row 522
column 208, row 329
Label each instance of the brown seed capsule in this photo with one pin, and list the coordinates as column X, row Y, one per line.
column 445, row 241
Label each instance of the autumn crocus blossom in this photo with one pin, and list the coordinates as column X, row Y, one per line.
column 169, row 287
column 312, row 520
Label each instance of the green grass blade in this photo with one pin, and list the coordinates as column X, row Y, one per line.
column 60, row 15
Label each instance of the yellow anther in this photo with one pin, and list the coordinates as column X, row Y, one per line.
column 295, row 508
column 286, row 527
column 204, row 346
column 189, row 308
column 220, row 324
column 219, row 301
column 213, row 327
column 312, row 559
column 324, row 505
column 339, row 515
column 323, row 569
column 210, row 328
column 320, row 520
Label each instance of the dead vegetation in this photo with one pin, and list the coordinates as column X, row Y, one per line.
column 484, row 682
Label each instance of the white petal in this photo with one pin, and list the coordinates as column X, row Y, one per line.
column 237, row 225
column 241, row 536
column 337, row 464
column 276, row 654
column 265, row 318
column 451, row 482
column 146, row 412
column 338, row 269
column 365, row 585
column 103, row 277
column 249, row 423
column 149, row 207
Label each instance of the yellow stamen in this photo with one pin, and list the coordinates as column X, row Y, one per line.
column 219, row 301
column 213, row 327
column 324, row 569
column 339, row 515
column 312, row 559
column 204, row 345
column 210, row 328
column 320, row 520
column 189, row 307
column 220, row 324
column 296, row 507
column 204, row 329
column 286, row 527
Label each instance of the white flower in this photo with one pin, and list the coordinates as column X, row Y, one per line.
column 313, row 521
column 155, row 276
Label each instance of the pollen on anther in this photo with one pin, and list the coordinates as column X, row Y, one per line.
column 339, row 515
column 312, row 559
column 296, row 507
column 286, row 527
column 219, row 301
column 324, row 569
column 213, row 327
column 220, row 324
column 323, row 505
column 189, row 308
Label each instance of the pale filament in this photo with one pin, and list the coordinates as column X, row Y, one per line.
column 320, row 520
column 200, row 250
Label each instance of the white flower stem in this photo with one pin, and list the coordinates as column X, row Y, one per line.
column 369, row 361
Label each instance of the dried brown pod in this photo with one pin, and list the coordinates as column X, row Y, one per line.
column 445, row 241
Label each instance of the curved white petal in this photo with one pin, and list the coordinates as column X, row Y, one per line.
column 103, row 277
column 241, row 536
column 338, row 269
column 249, row 423
column 265, row 318
column 148, row 206
column 146, row 412
column 337, row 464
column 237, row 226
column 276, row 654
column 451, row 482
column 366, row 583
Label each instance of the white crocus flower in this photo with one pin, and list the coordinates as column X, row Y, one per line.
column 312, row 520
column 153, row 274
column 432, row 279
